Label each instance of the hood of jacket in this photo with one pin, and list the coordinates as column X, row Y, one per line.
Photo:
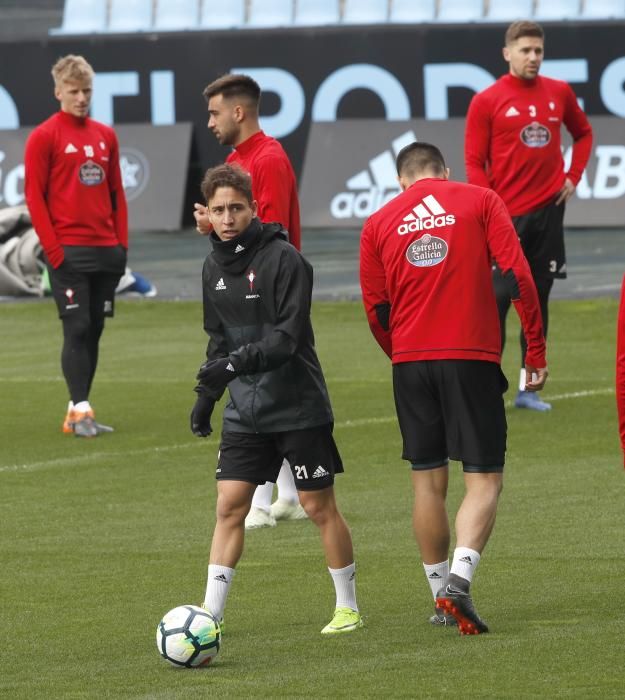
column 234, row 255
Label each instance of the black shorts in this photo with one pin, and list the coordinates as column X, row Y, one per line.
column 85, row 282
column 257, row 457
column 452, row 409
column 542, row 238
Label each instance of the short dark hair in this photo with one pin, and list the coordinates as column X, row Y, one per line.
column 521, row 28
column 234, row 85
column 419, row 157
column 227, row 176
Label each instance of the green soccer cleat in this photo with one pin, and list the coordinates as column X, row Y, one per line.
column 344, row 620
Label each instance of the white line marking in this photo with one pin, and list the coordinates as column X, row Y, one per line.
column 357, row 423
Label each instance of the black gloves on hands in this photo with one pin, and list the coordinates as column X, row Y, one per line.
column 215, row 375
column 201, row 414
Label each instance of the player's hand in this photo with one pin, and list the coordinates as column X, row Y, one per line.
column 202, row 223
column 535, row 378
column 215, row 375
column 201, row 414
column 567, row 191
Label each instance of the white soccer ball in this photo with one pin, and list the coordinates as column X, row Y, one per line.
column 188, row 636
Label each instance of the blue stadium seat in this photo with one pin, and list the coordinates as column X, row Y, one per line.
column 270, row 13
column 82, row 17
column 506, row 11
column 365, row 11
column 603, row 9
column 217, row 14
column 317, row 12
column 172, row 15
column 130, row 16
column 557, row 9
column 412, row 11
column 460, row 11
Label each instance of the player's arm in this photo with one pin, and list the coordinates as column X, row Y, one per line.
column 118, row 196
column 373, row 285
column 620, row 367
column 477, row 136
column 270, row 181
column 505, row 249
column 579, row 127
column 37, row 157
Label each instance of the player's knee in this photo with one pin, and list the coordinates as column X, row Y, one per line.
column 230, row 511
column 318, row 506
column 76, row 328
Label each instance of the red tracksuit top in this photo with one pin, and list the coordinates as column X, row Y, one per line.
column 428, row 254
column 273, row 182
column 620, row 367
column 512, row 140
column 73, row 185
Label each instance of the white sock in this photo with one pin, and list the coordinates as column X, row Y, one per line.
column 262, row 496
column 345, row 586
column 465, row 562
column 286, row 484
column 217, row 589
column 82, row 407
column 437, row 575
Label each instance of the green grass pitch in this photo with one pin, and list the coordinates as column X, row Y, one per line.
column 100, row 538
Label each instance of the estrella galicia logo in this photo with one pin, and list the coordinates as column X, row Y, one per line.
column 427, row 251
column 535, row 135
column 91, row 174
column 135, row 172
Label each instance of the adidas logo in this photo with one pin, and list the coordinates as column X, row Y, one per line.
column 222, row 578
column 239, row 248
column 466, row 560
column 428, row 214
column 434, row 575
column 373, row 187
column 220, row 284
column 319, row 472
column 230, row 367
column 512, row 112
column 70, row 148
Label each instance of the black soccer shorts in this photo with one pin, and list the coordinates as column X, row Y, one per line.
column 85, row 282
column 451, row 409
column 542, row 238
column 257, row 457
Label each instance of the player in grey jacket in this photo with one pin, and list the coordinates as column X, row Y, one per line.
column 257, row 294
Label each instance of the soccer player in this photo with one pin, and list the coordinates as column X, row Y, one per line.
column 620, row 367
column 257, row 294
column 426, row 282
column 233, row 108
column 76, row 200
column 512, row 144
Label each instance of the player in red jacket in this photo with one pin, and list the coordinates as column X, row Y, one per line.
column 425, row 273
column 513, row 145
column 74, row 192
column 620, row 367
column 233, row 108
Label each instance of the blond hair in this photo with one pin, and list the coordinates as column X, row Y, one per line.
column 72, row 68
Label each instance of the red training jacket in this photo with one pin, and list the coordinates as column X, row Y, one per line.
column 73, row 185
column 620, row 367
column 273, row 182
column 427, row 254
column 512, row 140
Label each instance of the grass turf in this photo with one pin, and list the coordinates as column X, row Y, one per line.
column 100, row 538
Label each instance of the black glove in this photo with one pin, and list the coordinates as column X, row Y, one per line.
column 201, row 414
column 215, row 375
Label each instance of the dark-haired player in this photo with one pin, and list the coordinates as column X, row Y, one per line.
column 233, row 109
column 425, row 273
column 512, row 144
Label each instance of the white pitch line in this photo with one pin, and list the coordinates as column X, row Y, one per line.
column 357, row 423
